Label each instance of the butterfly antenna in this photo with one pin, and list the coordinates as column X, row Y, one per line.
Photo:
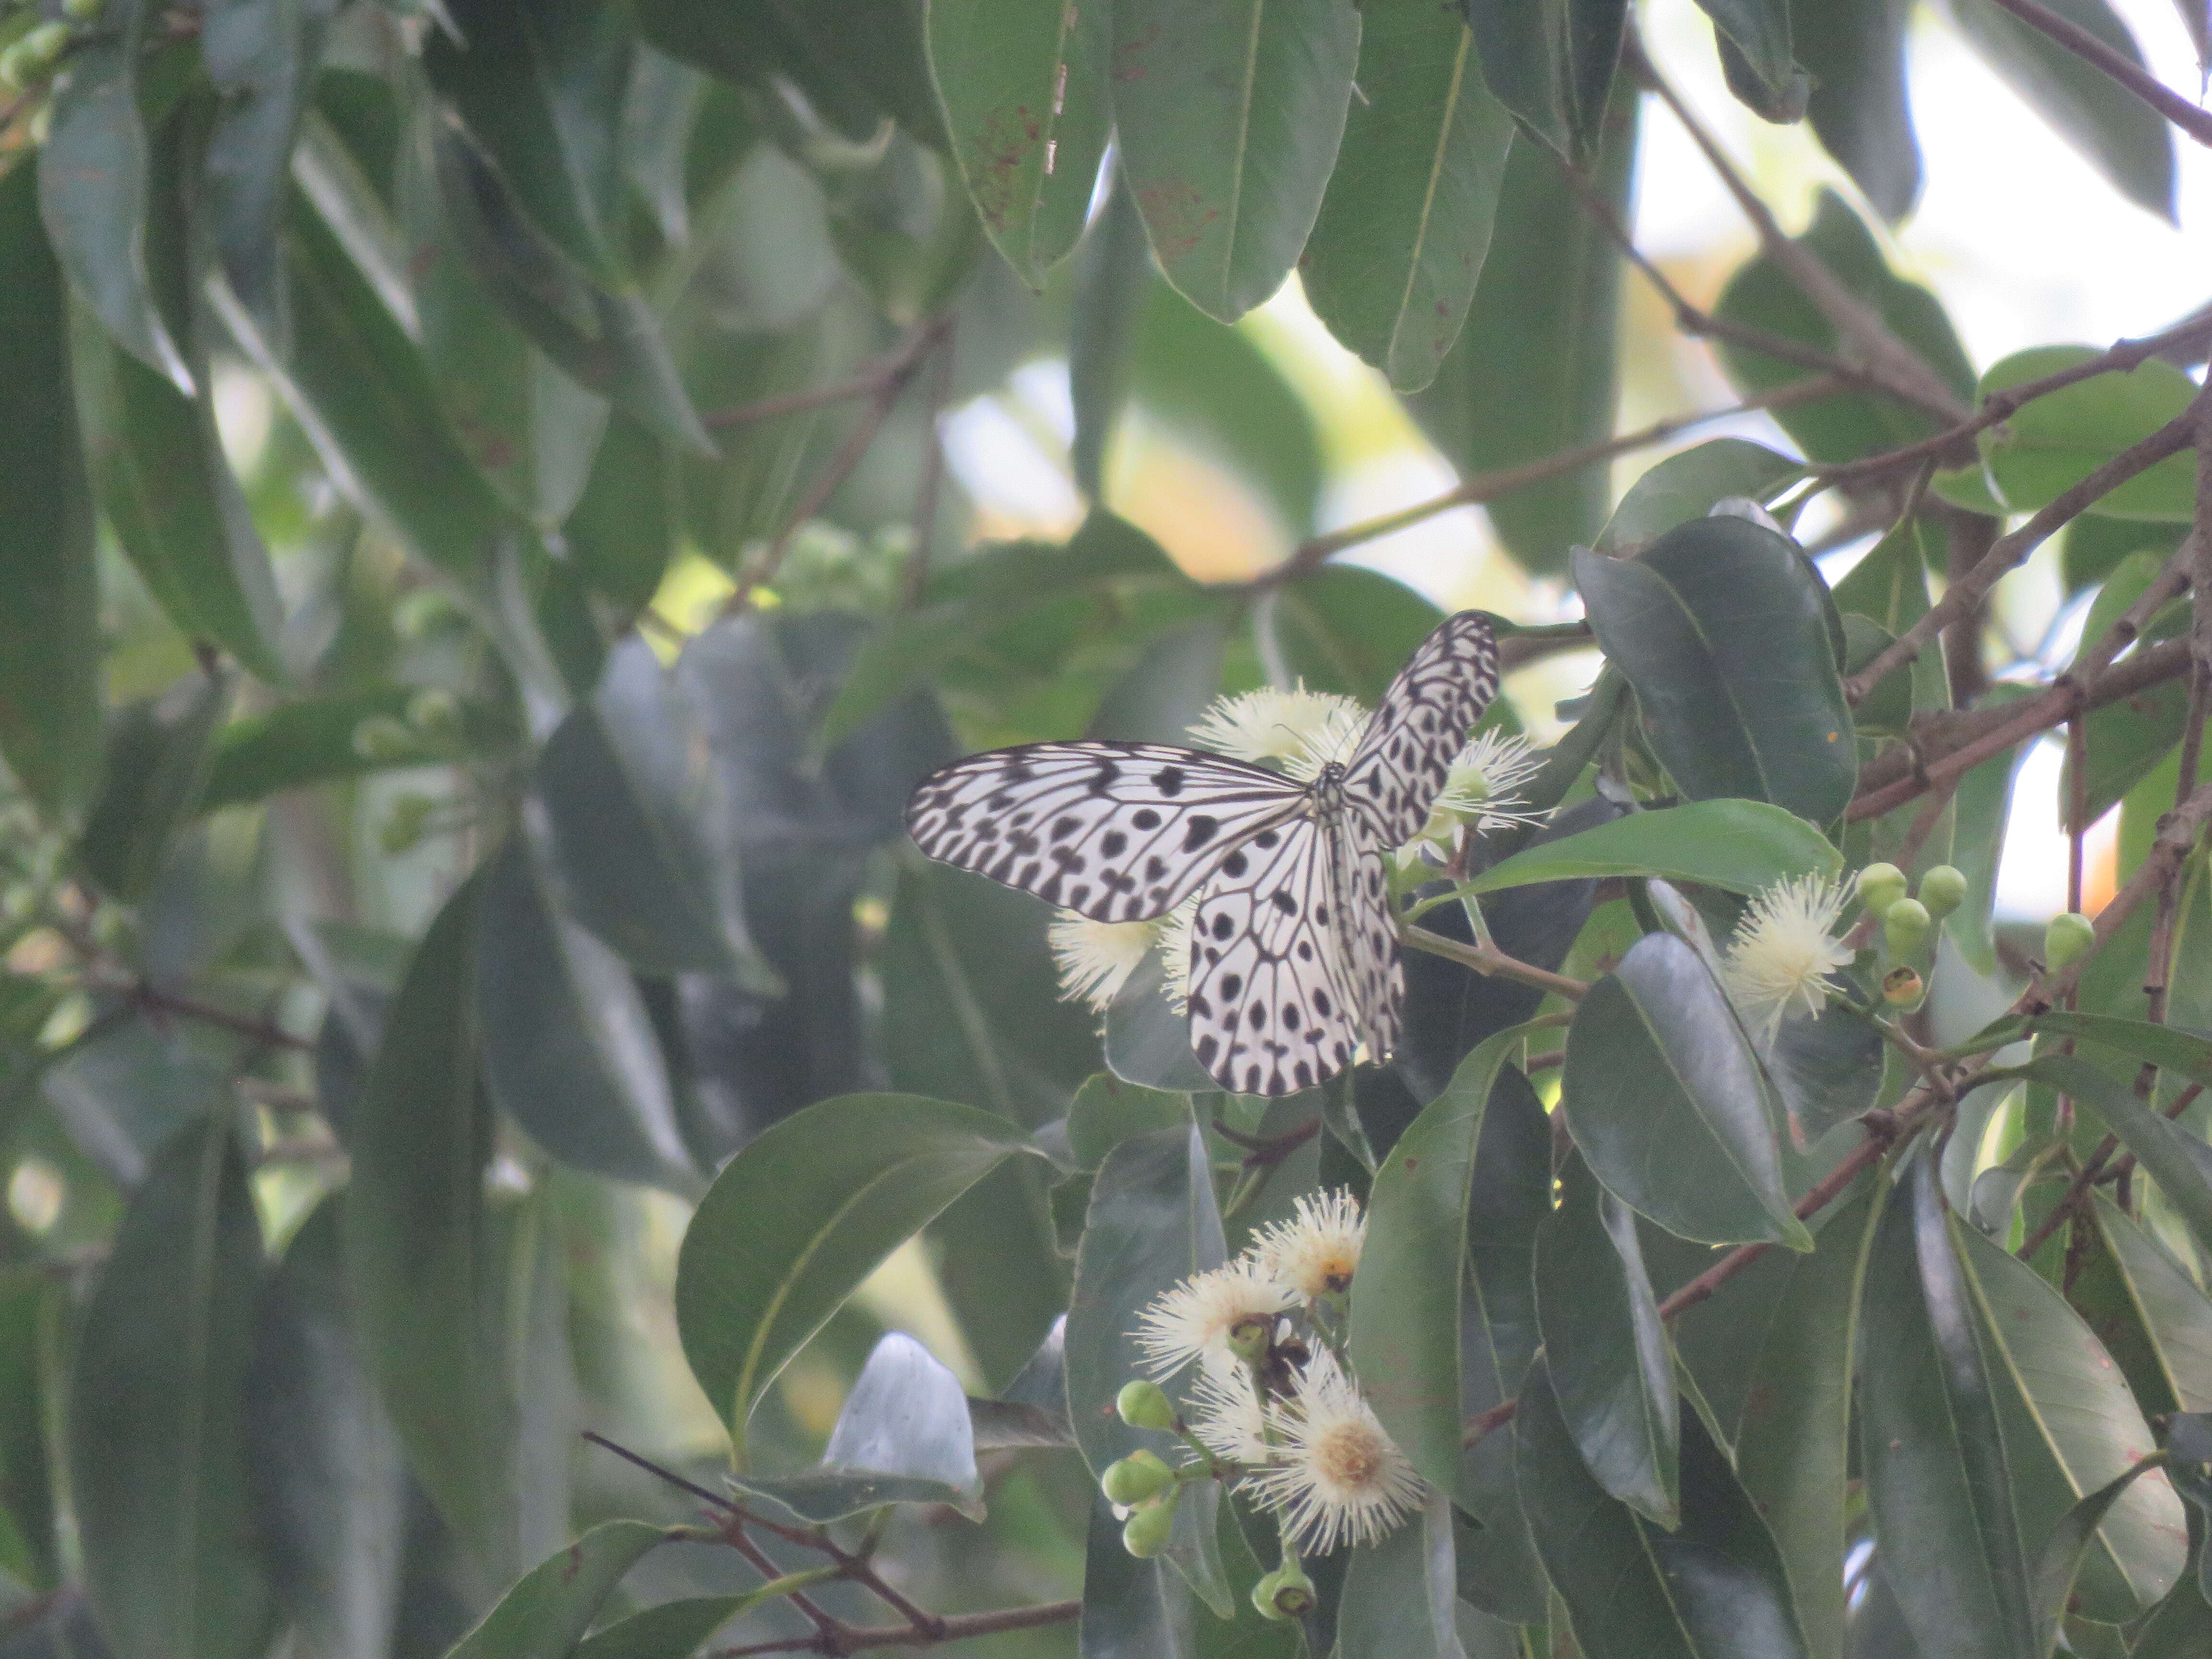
column 669, row 1475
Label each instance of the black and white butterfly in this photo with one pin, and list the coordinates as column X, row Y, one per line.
column 1293, row 949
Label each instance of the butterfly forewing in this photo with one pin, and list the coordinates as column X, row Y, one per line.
column 1115, row 831
column 1399, row 768
column 1272, row 1007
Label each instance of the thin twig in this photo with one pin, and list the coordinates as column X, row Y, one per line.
column 151, row 997
column 2091, row 1174
column 894, row 367
column 2123, row 69
column 1488, row 959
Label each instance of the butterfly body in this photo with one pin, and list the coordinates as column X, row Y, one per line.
column 1294, row 950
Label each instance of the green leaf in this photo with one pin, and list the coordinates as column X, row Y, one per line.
column 1147, row 1044
column 1392, row 261
column 1939, row 1485
column 330, row 1472
column 297, row 744
column 2179, row 1162
column 49, row 685
column 1404, row 1342
column 667, row 1631
column 1350, row 631
column 626, row 525
column 1398, row 1595
column 805, row 1212
column 1606, row 1353
column 2078, row 1428
column 1228, row 120
column 1535, row 370
column 1552, row 64
column 2070, row 1545
column 569, row 1050
column 2175, row 1316
column 92, row 193
column 1113, row 282
column 1108, row 1111
column 157, row 761
column 156, row 1415
column 1132, row 1610
column 1686, row 486
column 1849, row 424
column 2112, row 129
column 1721, row 628
column 1739, row 846
column 1860, row 107
column 1760, row 30
column 2181, row 1628
column 2048, row 445
column 541, row 89
column 1025, row 91
column 1663, row 1093
column 546, row 1614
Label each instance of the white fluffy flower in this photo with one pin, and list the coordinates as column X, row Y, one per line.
column 1228, row 1418
column 1094, row 958
column 1196, row 1320
column 1316, row 1251
column 1481, row 792
column 1337, row 1477
column 1303, row 730
column 1777, row 964
column 1174, row 953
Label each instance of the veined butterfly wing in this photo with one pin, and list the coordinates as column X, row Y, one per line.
column 1398, row 768
column 1115, row 831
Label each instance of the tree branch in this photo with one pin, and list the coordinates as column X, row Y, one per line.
column 1487, row 959
column 2131, row 75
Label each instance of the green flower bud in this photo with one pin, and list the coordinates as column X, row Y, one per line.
column 1145, row 1535
column 1138, row 1476
column 1943, row 890
column 2067, row 940
column 1905, row 926
column 1249, row 1338
column 1284, row 1594
column 1902, row 987
column 434, row 713
column 82, row 11
column 1880, row 886
column 381, row 738
column 42, row 46
column 1145, row 1404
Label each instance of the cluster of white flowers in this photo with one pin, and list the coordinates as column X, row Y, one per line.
column 1272, row 1396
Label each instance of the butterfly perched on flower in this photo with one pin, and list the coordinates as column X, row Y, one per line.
column 1293, row 947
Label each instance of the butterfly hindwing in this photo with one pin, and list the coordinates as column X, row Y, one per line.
column 1272, row 1006
column 1115, row 831
column 1398, row 768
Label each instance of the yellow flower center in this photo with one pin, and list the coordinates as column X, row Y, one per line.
column 1348, row 1455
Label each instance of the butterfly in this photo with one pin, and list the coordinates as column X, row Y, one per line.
column 1294, row 949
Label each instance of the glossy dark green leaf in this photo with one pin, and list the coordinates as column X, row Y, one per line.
column 878, row 49
column 1740, row 846
column 1132, row 1610
column 1855, row 52
column 2054, row 442
column 1025, row 93
column 2080, row 1429
column 2181, row 1628
column 1760, row 30
column 2176, row 1317
column 1398, row 1592
column 668, row 1632
column 552, row 1606
column 158, row 754
column 1606, row 1353
column 625, row 526
column 569, row 1050
column 1663, row 1093
column 156, row 1415
column 802, row 1215
column 92, row 192
column 2114, row 130
column 328, row 1468
column 1146, row 1042
column 262, row 56
column 1939, row 1485
column 294, row 745
column 1535, row 370
column 50, row 687
column 2070, row 1544
column 1686, row 486
column 1721, row 628
column 1228, row 120
column 1847, row 424
column 2179, row 1162
column 1552, row 64
column 1394, row 256
column 1107, row 1111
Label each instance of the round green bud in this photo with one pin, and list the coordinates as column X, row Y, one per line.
column 1144, row 1533
column 1902, row 987
column 1943, row 890
column 381, row 738
column 1880, row 886
column 1145, row 1404
column 42, row 46
column 1138, row 1476
column 1285, row 1594
column 436, row 712
column 1905, row 926
column 82, row 11
column 2067, row 940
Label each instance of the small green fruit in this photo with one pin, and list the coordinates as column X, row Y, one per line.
column 15, row 72
column 1880, row 886
column 1905, row 926
column 2067, row 940
column 1249, row 1338
column 42, row 46
column 1943, row 890
column 434, row 712
column 1144, row 1406
column 1145, row 1535
column 1285, row 1594
column 1136, row 1477
column 381, row 738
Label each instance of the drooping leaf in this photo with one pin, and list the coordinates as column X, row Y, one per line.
column 2179, row 1162
column 1760, row 30
column 2175, row 1373
column 1686, row 486
column 1859, row 107
column 158, row 755
column 1741, row 846
column 1552, row 64
column 552, row 1606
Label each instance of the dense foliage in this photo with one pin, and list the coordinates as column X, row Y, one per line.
column 478, row 579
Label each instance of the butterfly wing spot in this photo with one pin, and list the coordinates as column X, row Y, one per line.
column 1197, row 831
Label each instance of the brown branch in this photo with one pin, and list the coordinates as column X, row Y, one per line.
column 893, row 368
column 2132, row 76
column 1488, row 486
column 1487, row 959
column 151, row 997
column 1265, row 1151
column 1963, row 595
